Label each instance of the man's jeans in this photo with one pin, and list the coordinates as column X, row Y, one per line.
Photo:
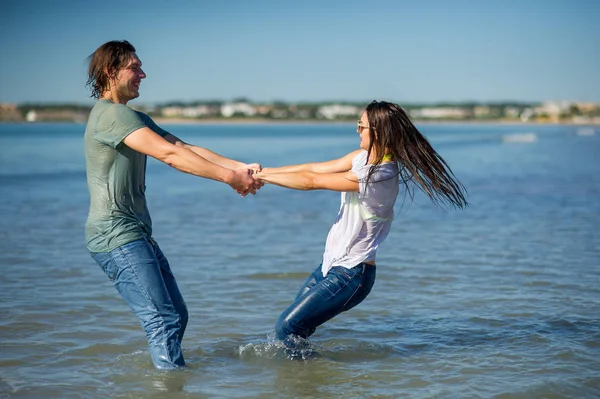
column 143, row 277
column 322, row 298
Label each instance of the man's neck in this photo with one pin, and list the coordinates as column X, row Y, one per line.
column 114, row 97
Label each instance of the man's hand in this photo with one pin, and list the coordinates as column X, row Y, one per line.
column 242, row 181
column 257, row 184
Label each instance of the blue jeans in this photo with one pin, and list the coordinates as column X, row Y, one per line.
column 142, row 275
column 322, row 298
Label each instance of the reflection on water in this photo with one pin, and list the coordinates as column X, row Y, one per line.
column 500, row 300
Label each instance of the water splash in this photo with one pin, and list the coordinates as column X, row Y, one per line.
column 296, row 348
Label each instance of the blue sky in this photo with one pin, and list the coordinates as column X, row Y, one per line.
column 405, row 51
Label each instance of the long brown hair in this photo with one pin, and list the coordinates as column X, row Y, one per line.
column 105, row 62
column 392, row 133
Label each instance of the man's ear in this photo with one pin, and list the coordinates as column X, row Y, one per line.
column 110, row 76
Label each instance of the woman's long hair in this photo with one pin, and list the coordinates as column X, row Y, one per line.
column 105, row 62
column 392, row 133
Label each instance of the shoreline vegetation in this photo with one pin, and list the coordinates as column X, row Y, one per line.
column 243, row 111
column 267, row 121
column 255, row 121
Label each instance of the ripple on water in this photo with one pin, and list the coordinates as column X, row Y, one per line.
column 278, row 276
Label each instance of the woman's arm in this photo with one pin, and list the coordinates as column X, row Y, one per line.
column 307, row 180
column 343, row 164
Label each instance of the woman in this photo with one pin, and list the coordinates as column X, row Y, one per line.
column 392, row 152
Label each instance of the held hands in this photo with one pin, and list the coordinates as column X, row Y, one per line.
column 244, row 182
column 258, row 176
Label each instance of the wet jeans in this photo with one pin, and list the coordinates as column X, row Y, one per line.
column 142, row 275
column 322, row 298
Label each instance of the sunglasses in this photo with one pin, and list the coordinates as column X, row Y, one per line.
column 360, row 126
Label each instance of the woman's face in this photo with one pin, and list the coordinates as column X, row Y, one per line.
column 364, row 131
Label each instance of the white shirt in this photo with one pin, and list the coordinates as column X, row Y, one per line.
column 364, row 218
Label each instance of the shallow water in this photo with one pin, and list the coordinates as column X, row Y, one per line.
column 498, row 301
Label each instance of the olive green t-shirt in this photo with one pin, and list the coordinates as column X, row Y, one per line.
column 116, row 177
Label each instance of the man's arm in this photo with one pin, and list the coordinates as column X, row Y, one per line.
column 306, row 180
column 208, row 154
column 147, row 142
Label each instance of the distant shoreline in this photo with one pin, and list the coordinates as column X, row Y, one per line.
column 244, row 121
column 252, row 121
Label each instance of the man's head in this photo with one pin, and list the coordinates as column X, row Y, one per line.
column 115, row 67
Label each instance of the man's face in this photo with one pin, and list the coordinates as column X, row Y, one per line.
column 128, row 79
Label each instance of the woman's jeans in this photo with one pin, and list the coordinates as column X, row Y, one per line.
column 322, row 298
column 143, row 277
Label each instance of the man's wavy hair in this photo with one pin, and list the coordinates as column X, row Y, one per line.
column 105, row 62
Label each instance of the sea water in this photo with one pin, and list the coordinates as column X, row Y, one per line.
column 501, row 300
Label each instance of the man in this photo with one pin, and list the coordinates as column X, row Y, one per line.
column 119, row 229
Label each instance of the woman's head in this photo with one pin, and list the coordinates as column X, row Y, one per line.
column 391, row 134
column 387, row 126
column 105, row 63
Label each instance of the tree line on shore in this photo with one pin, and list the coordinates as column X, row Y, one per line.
column 331, row 110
